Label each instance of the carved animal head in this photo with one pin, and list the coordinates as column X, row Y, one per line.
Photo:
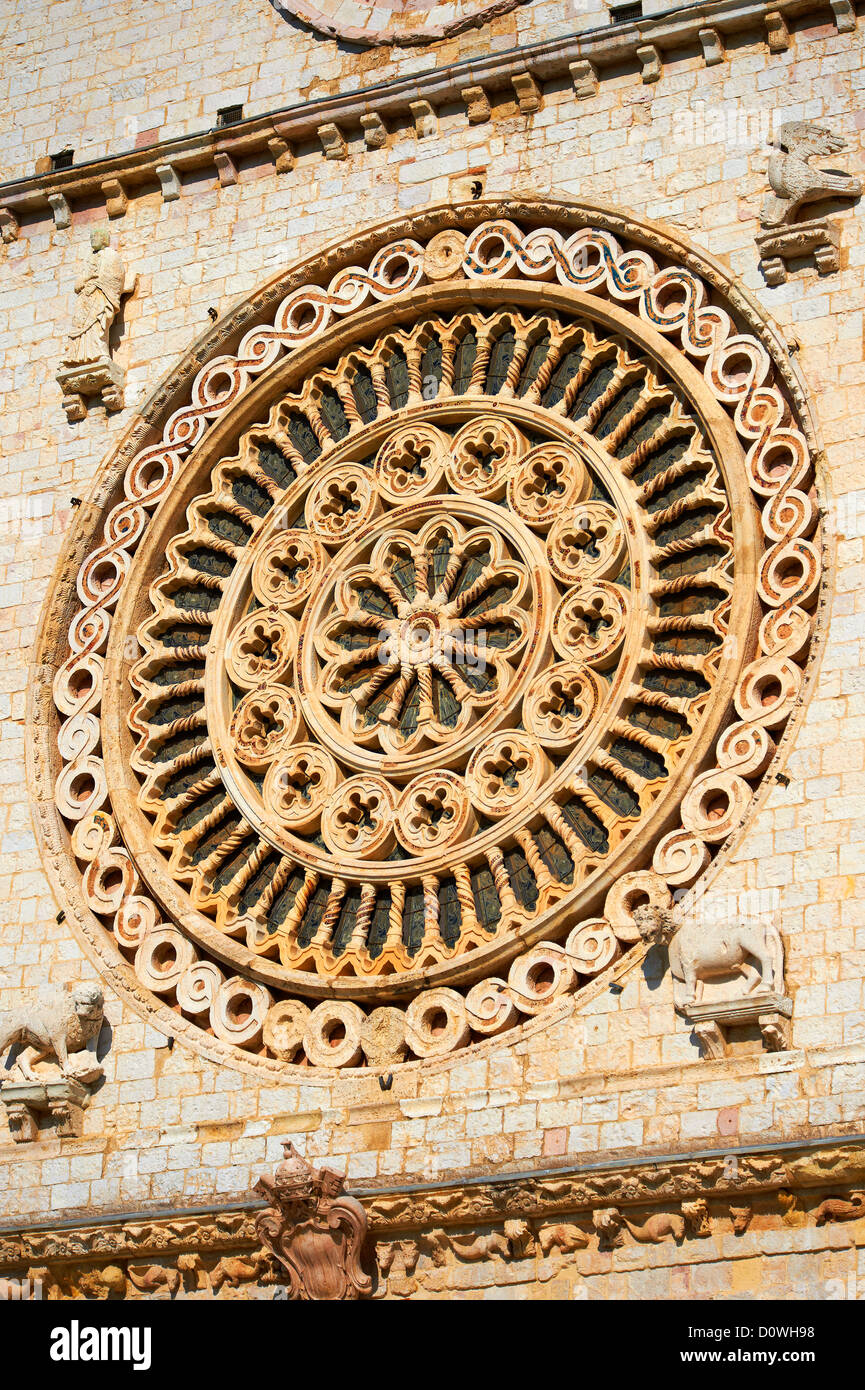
column 519, row 1237
column 435, row 1243
column 741, row 1218
column 607, row 1221
column 88, row 1001
column 696, row 1214
column 805, row 140
column 656, row 925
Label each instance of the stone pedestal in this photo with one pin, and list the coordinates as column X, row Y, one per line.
column 819, row 237
column 63, row 1101
column 91, row 379
column 712, row 1020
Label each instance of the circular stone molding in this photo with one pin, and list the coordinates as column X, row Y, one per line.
column 446, row 621
column 402, row 23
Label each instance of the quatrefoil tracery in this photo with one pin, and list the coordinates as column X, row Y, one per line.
column 277, row 849
column 435, row 704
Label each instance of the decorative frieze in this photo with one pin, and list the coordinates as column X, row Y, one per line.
column 417, row 1241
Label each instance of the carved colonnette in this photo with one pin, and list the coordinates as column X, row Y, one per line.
column 416, row 1242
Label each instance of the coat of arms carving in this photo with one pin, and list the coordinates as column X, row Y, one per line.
column 314, row 1230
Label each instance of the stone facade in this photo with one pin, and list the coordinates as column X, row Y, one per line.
column 611, row 1079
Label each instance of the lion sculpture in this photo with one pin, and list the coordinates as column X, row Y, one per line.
column 68, row 1024
column 702, row 951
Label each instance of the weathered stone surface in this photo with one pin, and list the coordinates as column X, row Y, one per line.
column 621, row 1074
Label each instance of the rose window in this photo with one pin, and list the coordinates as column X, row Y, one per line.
column 456, row 661
column 438, row 639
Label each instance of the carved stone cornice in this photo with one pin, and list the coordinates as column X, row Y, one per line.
column 807, row 1184
column 113, row 177
column 649, row 1183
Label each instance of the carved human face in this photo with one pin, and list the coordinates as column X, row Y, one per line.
column 99, row 239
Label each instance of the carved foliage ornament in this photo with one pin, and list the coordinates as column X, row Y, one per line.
column 427, row 645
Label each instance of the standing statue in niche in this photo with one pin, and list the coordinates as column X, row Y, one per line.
column 86, row 368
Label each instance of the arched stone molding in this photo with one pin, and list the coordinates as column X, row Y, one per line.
column 666, row 312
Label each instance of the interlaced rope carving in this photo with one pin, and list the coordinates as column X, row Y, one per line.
column 737, row 370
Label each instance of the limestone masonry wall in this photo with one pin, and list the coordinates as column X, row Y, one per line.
column 104, row 78
column 621, row 1075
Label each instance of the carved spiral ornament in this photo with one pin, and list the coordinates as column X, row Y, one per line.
column 494, row 592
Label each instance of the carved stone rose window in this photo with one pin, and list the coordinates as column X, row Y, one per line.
column 468, row 610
